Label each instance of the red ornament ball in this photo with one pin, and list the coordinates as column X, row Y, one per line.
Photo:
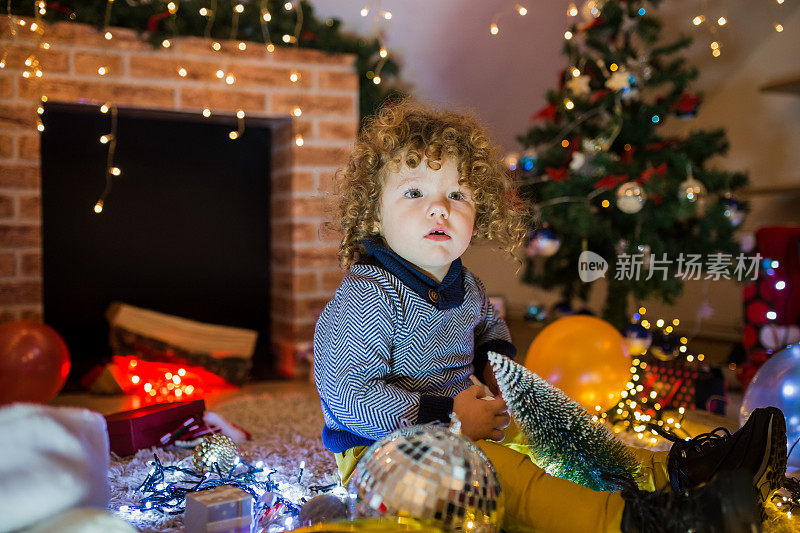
column 34, row 362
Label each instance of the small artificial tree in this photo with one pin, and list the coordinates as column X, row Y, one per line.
column 600, row 176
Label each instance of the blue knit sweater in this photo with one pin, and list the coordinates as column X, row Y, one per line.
column 395, row 345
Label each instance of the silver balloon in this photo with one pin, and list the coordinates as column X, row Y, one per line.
column 630, row 197
column 428, row 473
column 777, row 384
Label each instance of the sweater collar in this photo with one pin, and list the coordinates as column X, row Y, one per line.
column 445, row 295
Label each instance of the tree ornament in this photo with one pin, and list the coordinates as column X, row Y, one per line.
column 582, row 163
column 686, row 106
column 630, row 197
column 644, row 251
column 535, row 312
column 430, row 473
column 637, row 339
column 591, row 9
column 563, row 438
column 665, row 345
column 579, row 86
column 733, row 210
column 512, row 161
column 692, row 192
column 619, row 80
column 529, row 160
column 216, row 448
column 543, row 242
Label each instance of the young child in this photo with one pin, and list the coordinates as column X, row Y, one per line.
column 409, row 326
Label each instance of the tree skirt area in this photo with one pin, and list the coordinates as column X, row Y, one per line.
column 286, row 430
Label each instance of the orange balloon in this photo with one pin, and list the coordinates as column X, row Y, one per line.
column 583, row 356
column 34, row 362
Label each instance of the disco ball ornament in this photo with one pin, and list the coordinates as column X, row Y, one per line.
column 321, row 509
column 429, row 473
column 665, row 345
column 777, row 384
column 637, row 338
column 733, row 210
column 543, row 242
column 216, row 448
column 630, row 197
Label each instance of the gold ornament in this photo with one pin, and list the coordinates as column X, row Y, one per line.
column 216, row 448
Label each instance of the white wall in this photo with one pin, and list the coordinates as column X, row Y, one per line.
column 449, row 58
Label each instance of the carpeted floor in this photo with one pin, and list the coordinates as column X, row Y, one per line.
column 285, row 425
column 286, row 430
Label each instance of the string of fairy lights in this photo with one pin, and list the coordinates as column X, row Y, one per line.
column 378, row 18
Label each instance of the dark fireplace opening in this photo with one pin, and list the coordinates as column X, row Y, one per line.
column 184, row 230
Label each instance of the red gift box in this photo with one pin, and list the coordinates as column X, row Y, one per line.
column 131, row 431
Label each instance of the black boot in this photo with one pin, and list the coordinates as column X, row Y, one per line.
column 725, row 505
column 759, row 447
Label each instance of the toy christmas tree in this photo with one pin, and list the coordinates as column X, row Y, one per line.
column 602, row 179
column 563, row 438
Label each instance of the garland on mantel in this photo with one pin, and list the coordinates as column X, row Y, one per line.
column 154, row 20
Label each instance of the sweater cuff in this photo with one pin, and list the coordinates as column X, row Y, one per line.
column 481, row 358
column 434, row 408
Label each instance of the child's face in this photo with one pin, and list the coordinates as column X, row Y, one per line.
column 426, row 216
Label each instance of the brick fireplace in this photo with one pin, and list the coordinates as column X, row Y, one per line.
column 304, row 270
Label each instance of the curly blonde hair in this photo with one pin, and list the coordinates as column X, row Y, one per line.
column 409, row 132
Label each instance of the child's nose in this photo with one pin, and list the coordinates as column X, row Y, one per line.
column 438, row 208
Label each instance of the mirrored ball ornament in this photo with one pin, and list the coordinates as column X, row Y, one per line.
column 692, row 191
column 777, row 384
column 215, row 451
column 630, row 197
column 429, row 473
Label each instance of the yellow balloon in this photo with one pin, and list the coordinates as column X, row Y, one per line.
column 583, row 356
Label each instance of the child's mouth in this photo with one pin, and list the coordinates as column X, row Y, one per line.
column 437, row 236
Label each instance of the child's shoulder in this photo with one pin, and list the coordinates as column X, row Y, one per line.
column 364, row 278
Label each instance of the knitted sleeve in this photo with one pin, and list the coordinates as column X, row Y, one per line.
column 352, row 357
column 491, row 334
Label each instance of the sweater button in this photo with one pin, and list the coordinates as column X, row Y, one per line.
column 433, row 295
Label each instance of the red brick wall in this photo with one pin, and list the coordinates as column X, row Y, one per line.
column 304, row 266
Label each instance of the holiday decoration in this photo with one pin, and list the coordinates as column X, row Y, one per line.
column 429, row 473
column 626, row 185
column 777, row 384
column 637, row 339
column 563, row 437
column 215, row 451
column 535, row 313
column 34, row 362
column 733, row 211
column 223, row 509
column 130, row 431
column 322, row 508
column 585, row 357
column 543, row 242
column 528, row 160
column 665, row 344
column 630, row 197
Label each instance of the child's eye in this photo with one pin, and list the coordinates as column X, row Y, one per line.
column 457, row 195
column 413, row 193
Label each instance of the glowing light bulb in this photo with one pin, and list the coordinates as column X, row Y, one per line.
column 203, row 12
column 575, row 72
column 216, row 46
column 102, row 71
column 206, row 112
column 383, row 52
column 572, row 10
column 569, row 104
column 115, row 171
column 568, row 35
column 297, row 111
column 181, row 371
column 147, row 387
column 387, row 15
column 714, row 45
column 780, row 285
column 182, row 72
column 230, row 79
column 40, row 126
column 104, row 108
column 565, row 143
column 772, row 315
column 239, row 8
column 493, row 29
column 364, row 11
column 521, row 10
column 287, row 6
column 242, row 46
column 716, row 53
column 34, row 26
column 266, row 16
column 166, row 43
column 239, row 114
column 605, row 203
column 233, row 135
column 40, row 110
column 721, row 21
column 172, row 7
column 45, row 46
column 778, row 28
column 376, row 80
column 294, row 76
column 108, row 36
column 104, row 139
column 698, row 20
column 135, row 379
column 220, row 74
column 613, row 67
column 287, row 38
column 298, row 140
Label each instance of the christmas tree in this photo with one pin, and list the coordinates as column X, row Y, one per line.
column 602, row 179
column 563, row 438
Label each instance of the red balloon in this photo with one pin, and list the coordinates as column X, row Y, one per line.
column 34, row 362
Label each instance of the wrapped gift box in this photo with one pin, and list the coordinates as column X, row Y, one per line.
column 131, row 431
column 223, row 509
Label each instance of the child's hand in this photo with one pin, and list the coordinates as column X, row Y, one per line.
column 491, row 380
column 481, row 419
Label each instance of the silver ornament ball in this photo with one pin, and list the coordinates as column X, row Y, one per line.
column 630, row 197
